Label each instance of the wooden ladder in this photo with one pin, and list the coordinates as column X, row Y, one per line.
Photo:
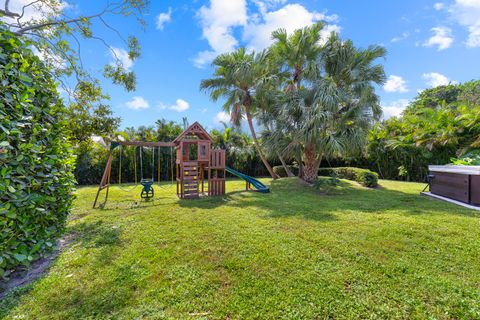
column 190, row 179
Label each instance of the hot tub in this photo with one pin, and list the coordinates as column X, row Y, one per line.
column 461, row 183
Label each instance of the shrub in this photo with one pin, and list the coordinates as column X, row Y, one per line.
column 365, row 177
column 470, row 159
column 35, row 159
column 280, row 170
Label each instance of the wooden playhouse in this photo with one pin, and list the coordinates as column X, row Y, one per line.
column 195, row 160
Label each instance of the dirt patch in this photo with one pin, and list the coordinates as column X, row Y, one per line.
column 36, row 270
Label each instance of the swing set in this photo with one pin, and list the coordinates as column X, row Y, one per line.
column 147, row 191
column 195, row 162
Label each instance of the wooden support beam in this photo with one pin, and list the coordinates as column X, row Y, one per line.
column 145, row 143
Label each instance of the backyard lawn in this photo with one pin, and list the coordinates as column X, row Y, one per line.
column 291, row 254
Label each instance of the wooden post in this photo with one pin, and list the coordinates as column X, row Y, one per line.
column 105, row 182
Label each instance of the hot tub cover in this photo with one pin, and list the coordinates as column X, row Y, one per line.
column 470, row 170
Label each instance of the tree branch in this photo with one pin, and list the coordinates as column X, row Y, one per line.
column 51, row 23
column 7, row 12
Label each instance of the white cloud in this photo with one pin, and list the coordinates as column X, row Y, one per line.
column 435, row 79
column 163, row 18
column 442, row 38
column 217, row 21
column 290, row 17
column 36, row 11
column 180, row 106
column 439, row 6
column 404, row 36
column 203, row 58
column 395, row 84
column 121, row 56
column 221, row 20
column 138, row 103
column 395, row 108
column 222, row 116
column 467, row 14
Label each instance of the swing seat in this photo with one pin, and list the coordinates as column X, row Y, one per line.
column 147, row 191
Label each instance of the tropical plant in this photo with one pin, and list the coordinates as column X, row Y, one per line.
column 440, row 124
column 332, row 113
column 237, row 77
column 297, row 54
column 296, row 57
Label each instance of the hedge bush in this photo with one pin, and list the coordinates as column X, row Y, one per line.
column 365, row 177
column 280, row 170
column 35, row 158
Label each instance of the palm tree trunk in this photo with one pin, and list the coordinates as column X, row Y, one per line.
column 312, row 162
column 257, row 145
column 287, row 169
column 298, row 158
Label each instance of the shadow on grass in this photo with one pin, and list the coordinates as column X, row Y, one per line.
column 289, row 197
column 96, row 234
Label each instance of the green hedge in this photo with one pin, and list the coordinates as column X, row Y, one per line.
column 280, row 170
column 36, row 179
column 365, row 177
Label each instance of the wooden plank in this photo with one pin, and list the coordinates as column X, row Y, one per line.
column 146, row 143
column 451, row 185
column 475, row 190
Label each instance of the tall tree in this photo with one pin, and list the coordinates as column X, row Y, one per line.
column 237, row 77
column 333, row 113
column 296, row 56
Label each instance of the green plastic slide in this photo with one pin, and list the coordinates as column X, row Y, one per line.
column 260, row 187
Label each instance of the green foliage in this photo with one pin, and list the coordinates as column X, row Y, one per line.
column 442, row 123
column 365, row 177
column 238, row 76
column 35, row 159
column 470, row 159
column 280, row 170
column 332, row 112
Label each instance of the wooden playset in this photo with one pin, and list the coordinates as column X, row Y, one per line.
column 196, row 161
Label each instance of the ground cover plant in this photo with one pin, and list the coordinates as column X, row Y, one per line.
column 295, row 253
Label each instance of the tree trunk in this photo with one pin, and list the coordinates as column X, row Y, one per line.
column 257, row 145
column 312, row 162
column 298, row 158
column 287, row 170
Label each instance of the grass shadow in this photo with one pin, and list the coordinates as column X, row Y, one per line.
column 95, row 235
column 348, row 196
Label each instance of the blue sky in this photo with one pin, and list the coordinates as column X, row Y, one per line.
column 428, row 42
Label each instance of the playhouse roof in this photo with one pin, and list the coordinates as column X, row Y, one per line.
column 195, row 129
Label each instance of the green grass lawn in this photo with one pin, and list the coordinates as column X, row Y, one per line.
column 291, row 254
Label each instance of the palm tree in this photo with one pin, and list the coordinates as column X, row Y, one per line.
column 297, row 53
column 296, row 56
column 237, row 77
column 333, row 113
